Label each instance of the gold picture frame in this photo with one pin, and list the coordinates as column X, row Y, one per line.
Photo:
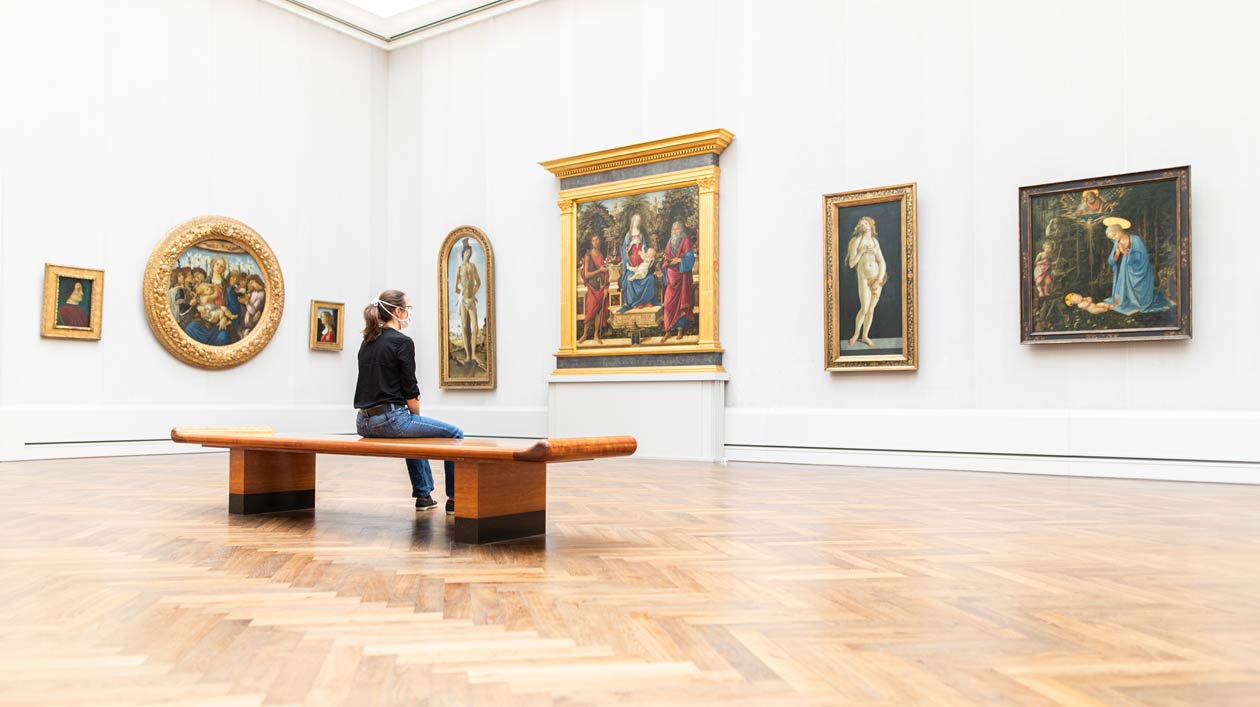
column 327, row 335
column 667, row 321
column 463, row 367
column 66, row 291
column 194, row 320
column 856, row 245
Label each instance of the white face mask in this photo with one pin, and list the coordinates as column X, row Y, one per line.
column 402, row 323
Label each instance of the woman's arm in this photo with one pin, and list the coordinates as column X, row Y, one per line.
column 407, row 370
column 883, row 268
column 414, row 406
column 852, row 255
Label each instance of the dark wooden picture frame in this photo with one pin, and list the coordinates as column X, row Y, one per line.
column 1106, row 259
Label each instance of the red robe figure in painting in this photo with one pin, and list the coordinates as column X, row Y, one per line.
column 595, row 274
column 680, row 302
column 72, row 313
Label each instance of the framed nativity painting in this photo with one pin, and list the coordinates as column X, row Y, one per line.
column 213, row 292
column 466, row 340
column 870, row 249
column 73, row 299
column 639, row 257
column 1106, row 259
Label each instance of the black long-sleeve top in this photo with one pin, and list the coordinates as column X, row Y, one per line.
column 387, row 371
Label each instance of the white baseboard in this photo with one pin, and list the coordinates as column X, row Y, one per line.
column 1160, row 469
column 1182, row 435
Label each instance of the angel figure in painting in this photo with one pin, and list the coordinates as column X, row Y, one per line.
column 867, row 261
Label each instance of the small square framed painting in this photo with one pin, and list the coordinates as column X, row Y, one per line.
column 327, row 325
column 1105, row 259
column 73, row 300
column 870, row 248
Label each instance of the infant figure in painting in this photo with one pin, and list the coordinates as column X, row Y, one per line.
column 1043, row 269
column 1074, row 299
column 644, row 268
column 211, row 313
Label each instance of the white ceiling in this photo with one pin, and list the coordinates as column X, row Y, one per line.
column 386, row 22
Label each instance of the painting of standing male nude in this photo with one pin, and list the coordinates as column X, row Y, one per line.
column 637, row 281
column 1106, row 259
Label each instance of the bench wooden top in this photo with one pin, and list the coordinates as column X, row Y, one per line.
column 543, row 450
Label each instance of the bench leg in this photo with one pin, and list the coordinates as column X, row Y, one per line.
column 499, row 501
column 270, row 482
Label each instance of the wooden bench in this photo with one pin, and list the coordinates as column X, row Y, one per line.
column 500, row 490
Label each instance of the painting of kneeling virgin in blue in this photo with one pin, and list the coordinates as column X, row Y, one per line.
column 217, row 292
column 1106, row 259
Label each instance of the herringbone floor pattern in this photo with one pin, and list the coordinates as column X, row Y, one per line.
column 124, row 582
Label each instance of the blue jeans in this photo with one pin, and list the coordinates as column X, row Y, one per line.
column 401, row 423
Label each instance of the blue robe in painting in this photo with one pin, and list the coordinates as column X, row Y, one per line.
column 635, row 293
column 1133, row 282
column 207, row 334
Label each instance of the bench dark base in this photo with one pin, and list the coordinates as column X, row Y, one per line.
column 499, row 501
column 247, row 504
column 487, row 530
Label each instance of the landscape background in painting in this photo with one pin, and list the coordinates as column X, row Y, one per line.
column 610, row 218
column 65, row 285
column 236, row 302
column 1082, row 252
column 887, row 327
column 457, row 364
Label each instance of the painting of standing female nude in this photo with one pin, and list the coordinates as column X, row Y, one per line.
column 637, row 281
column 1106, row 259
column 870, row 240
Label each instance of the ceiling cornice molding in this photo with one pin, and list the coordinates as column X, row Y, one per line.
column 401, row 30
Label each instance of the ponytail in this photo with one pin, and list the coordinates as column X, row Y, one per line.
column 377, row 314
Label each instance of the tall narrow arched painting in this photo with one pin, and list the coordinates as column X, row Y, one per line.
column 1106, row 259
column 213, row 292
column 466, row 343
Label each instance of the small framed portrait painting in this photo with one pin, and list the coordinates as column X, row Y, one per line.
column 72, row 302
column 327, row 325
column 871, row 271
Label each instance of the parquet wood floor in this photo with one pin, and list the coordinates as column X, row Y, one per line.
column 124, row 582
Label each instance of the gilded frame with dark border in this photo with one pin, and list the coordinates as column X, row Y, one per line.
column 833, row 256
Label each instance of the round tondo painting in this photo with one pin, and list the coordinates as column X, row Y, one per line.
column 213, row 292
column 217, row 292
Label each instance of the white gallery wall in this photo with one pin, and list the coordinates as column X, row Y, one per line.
column 122, row 119
column 970, row 100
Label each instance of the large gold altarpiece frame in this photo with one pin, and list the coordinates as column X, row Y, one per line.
column 648, row 169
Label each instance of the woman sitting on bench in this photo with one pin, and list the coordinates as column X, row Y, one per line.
column 387, row 396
